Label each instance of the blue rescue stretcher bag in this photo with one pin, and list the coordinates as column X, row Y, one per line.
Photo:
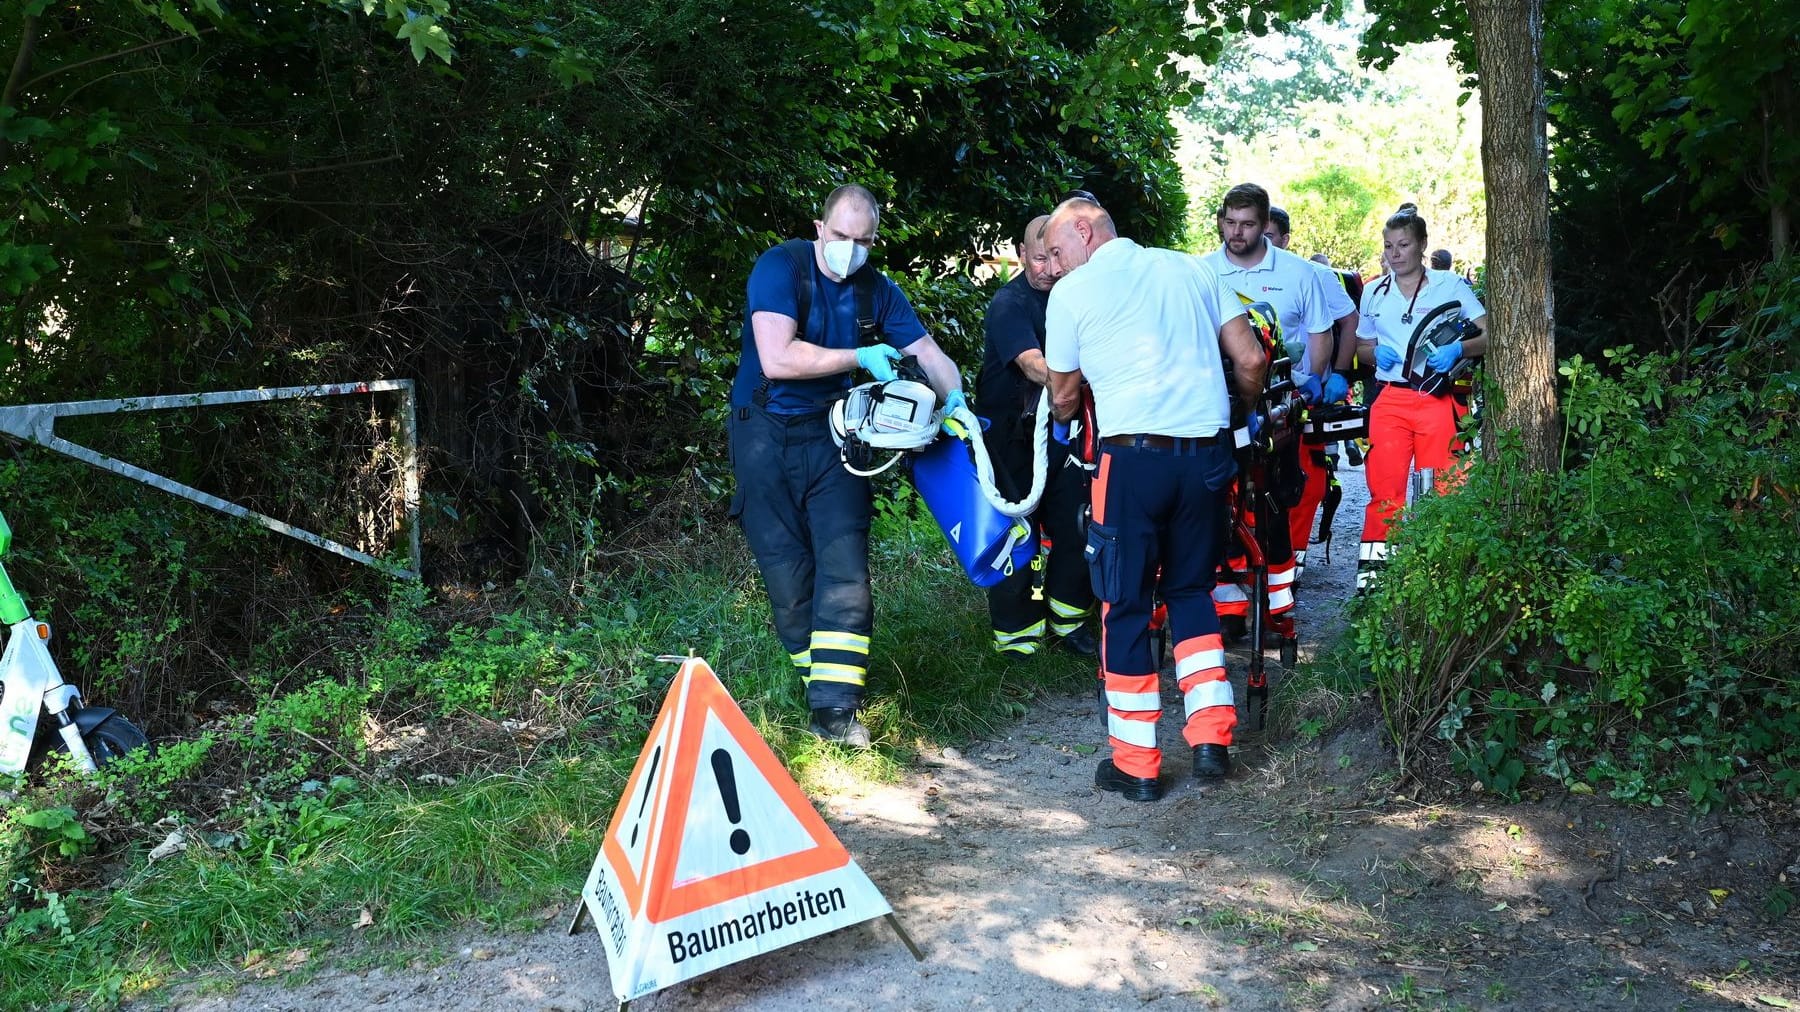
column 989, row 544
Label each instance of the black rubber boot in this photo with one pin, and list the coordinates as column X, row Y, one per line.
column 1212, row 761
column 1081, row 643
column 1108, row 778
column 839, row 725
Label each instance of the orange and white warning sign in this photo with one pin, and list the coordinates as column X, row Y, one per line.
column 714, row 854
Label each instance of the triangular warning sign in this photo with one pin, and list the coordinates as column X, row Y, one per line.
column 714, row 854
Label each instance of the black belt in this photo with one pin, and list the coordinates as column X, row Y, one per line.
column 1143, row 440
column 1404, row 385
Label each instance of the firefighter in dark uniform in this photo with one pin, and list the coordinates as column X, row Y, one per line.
column 815, row 313
column 1055, row 594
column 1147, row 329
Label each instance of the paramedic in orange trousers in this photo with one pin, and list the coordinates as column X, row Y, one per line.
column 1147, row 330
column 1407, row 427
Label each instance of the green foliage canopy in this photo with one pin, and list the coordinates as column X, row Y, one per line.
column 544, row 210
column 1672, row 148
column 1337, row 145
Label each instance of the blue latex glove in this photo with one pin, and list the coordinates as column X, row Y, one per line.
column 1386, row 358
column 1337, row 389
column 1311, row 389
column 1059, row 431
column 1256, row 424
column 879, row 359
column 953, row 401
column 1445, row 357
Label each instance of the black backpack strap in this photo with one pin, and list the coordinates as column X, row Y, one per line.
column 800, row 257
column 868, row 328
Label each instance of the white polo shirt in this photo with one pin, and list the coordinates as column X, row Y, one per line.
column 1289, row 283
column 1389, row 317
column 1142, row 325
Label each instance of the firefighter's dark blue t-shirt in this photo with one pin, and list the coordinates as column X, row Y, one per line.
column 1014, row 325
column 831, row 323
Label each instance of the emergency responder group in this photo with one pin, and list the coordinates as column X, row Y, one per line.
column 1153, row 350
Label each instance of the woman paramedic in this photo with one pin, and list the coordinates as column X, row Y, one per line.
column 1408, row 427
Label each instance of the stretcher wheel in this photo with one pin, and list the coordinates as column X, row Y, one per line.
column 1290, row 652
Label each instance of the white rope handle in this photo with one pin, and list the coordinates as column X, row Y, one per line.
column 984, row 466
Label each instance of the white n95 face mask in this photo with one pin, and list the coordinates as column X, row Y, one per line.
column 844, row 257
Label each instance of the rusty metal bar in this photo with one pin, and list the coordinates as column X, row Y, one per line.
column 36, row 423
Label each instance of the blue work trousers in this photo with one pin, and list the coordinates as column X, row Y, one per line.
column 1159, row 519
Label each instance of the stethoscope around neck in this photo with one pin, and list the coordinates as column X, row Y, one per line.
column 1387, row 283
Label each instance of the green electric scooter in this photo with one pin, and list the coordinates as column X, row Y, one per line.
column 31, row 686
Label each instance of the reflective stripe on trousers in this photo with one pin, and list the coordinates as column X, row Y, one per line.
column 841, row 657
column 1302, row 517
column 1206, row 693
column 1157, row 519
column 1371, row 559
column 1065, row 618
column 1023, row 641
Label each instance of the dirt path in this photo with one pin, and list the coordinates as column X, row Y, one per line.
column 1301, row 882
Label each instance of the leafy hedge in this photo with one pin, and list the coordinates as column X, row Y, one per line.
column 1630, row 624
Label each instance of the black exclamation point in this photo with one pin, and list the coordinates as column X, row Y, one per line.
column 721, row 760
column 649, row 782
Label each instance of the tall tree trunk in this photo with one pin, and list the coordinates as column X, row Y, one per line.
column 1522, row 348
column 1779, row 121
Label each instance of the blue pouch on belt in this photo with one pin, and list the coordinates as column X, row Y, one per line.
column 989, row 544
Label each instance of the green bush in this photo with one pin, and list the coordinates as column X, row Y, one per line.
column 1629, row 624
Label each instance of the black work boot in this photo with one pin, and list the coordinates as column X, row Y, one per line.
column 1212, row 761
column 1108, row 778
column 1081, row 643
column 837, row 724
column 1233, row 628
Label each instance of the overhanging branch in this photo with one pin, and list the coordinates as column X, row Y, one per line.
column 21, row 62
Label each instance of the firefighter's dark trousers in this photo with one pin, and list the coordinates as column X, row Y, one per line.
column 1158, row 520
column 1054, row 594
column 807, row 521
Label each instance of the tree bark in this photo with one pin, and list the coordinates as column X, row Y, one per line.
column 1521, row 351
column 21, row 63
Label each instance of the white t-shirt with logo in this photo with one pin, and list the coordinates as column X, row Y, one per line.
column 1142, row 325
column 1292, row 285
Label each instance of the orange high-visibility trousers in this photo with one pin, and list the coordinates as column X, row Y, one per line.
column 1208, row 709
column 1231, row 593
column 1301, row 517
column 1407, row 429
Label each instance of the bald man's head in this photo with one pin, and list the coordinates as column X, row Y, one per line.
column 1075, row 230
column 1034, row 259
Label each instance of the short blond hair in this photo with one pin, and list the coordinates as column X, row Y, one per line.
column 851, row 191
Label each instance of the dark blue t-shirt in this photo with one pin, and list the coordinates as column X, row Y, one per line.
column 831, row 323
column 1014, row 325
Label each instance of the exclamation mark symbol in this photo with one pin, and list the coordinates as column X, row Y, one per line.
column 721, row 763
column 649, row 783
